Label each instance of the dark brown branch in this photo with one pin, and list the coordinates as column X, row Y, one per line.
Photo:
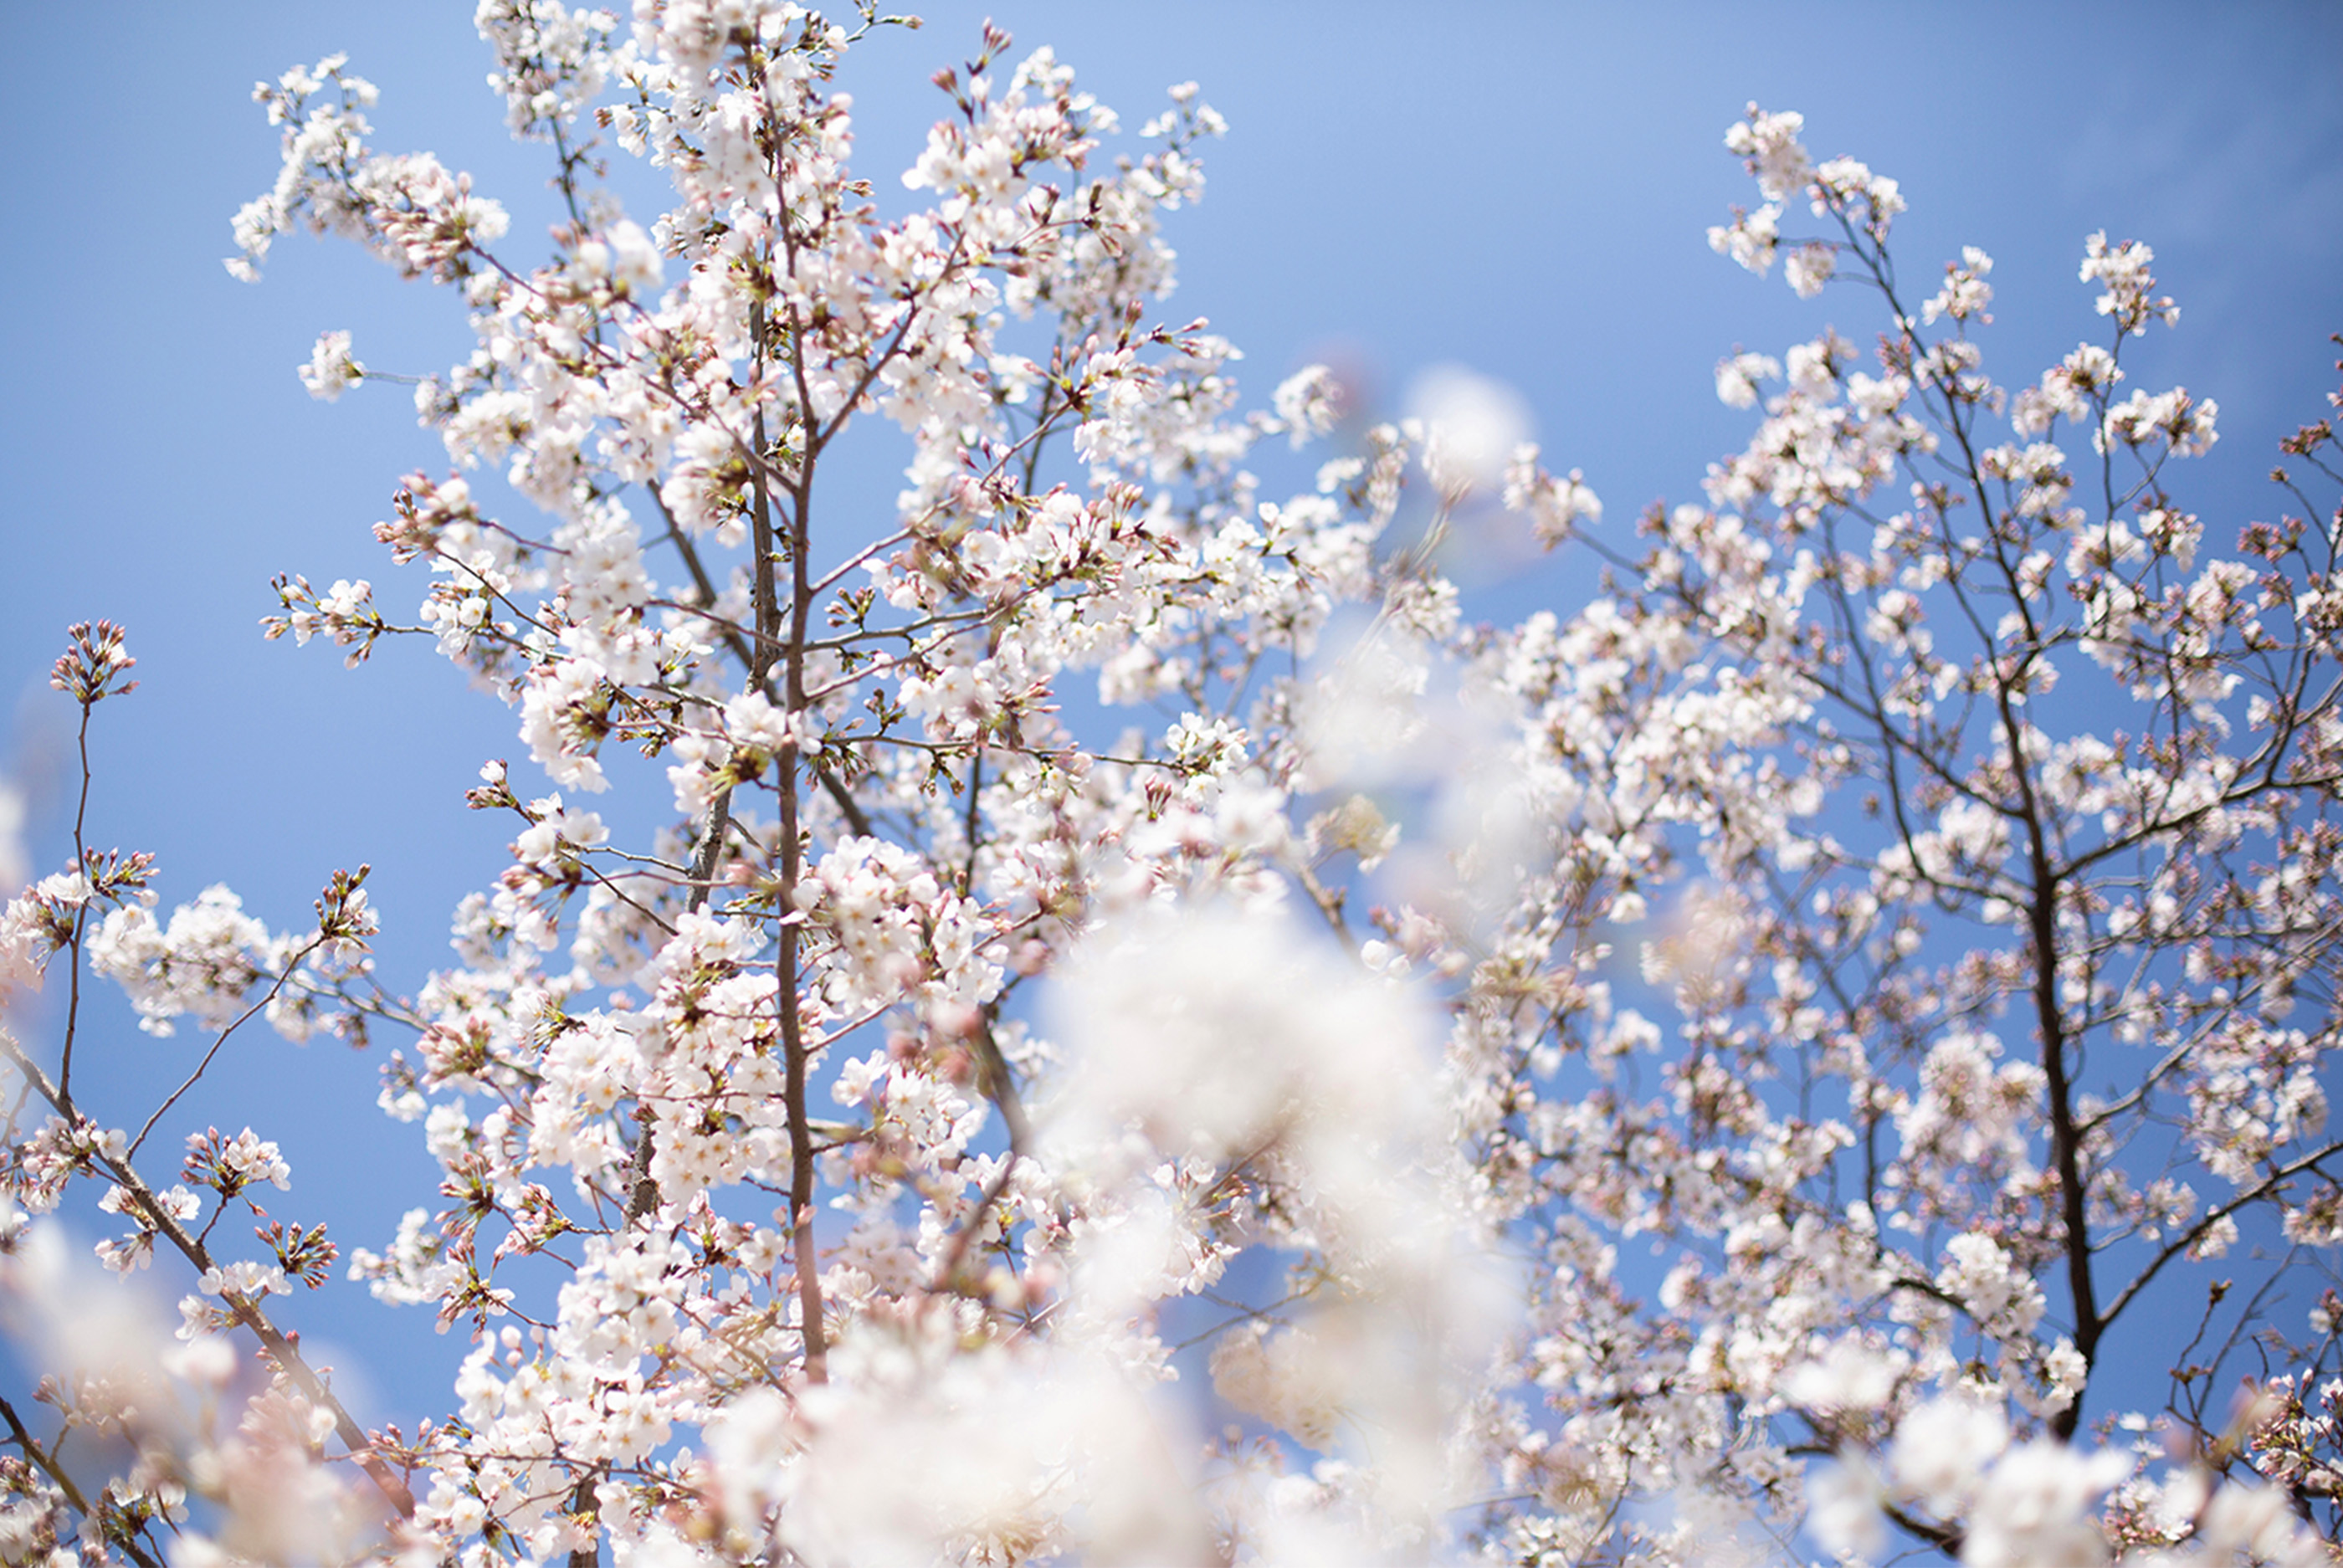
column 48, row 1466
column 808, row 1265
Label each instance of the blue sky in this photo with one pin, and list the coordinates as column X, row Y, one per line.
column 1523, row 189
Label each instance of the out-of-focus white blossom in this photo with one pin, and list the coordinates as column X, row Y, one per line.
column 331, row 371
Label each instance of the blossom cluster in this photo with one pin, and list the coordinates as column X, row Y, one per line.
column 1309, row 1078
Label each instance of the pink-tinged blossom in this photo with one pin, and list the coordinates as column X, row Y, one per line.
column 203, row 961
column 2182, row 424
column 1737, row 377
column 1809, row 268
column 2129, row 288
column 331, row 371
column 1769, row 147
column 1965, row 293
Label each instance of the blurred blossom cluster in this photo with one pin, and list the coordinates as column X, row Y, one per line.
column 1710, row 1074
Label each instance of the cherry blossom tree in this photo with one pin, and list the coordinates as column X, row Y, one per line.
column 1119, row 1025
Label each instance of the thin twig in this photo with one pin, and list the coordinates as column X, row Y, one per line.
column 246, row 1310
